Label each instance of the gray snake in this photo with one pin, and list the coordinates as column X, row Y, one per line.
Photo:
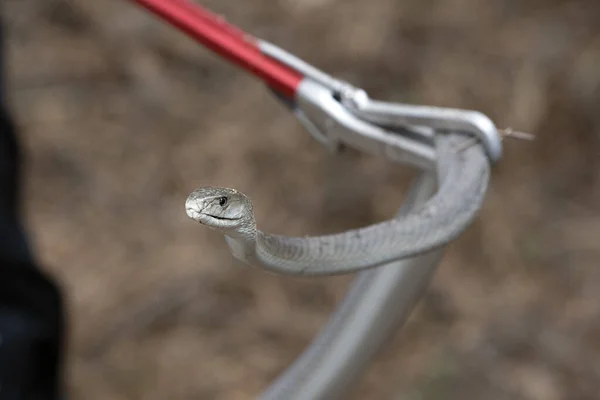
column 463, row 177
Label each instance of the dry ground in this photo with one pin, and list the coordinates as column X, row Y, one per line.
column 123, row 116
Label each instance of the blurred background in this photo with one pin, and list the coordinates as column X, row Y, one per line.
column 123, row 116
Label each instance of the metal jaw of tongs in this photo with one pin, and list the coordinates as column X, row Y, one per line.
column 337, row 114
column 334, row 112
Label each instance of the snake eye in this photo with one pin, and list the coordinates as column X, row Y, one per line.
column 222, row 201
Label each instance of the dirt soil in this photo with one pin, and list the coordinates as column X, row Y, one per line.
column 122, row 116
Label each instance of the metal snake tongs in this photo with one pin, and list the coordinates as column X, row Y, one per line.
column 334, row 112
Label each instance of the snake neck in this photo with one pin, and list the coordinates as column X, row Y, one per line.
column 242, row 241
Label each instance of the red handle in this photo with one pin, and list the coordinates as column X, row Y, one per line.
column 226, row 40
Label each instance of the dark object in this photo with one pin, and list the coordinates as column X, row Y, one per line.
column 31, row 311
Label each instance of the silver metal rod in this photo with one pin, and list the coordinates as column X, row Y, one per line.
column 377, row 304
column 287, row 58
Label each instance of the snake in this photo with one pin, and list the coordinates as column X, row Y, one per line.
column 463, row 178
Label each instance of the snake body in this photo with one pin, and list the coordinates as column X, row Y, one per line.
column 463, row 178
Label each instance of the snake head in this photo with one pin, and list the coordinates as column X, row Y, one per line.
column 220, row 208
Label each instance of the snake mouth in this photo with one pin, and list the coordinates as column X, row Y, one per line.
column 215, row 221
column 208, row 219
column 221, row 218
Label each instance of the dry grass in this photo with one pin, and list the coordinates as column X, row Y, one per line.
column 123, row 116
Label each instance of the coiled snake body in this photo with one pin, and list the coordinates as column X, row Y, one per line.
column 463, row 178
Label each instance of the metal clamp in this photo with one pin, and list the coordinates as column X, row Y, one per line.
column 335, row 112
column 330, row 122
